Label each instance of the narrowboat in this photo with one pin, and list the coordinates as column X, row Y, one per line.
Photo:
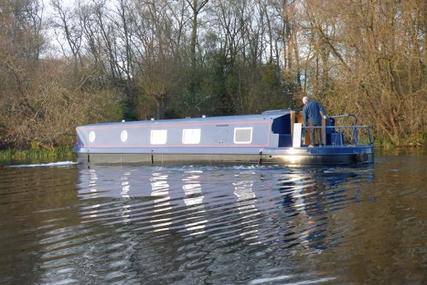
column 272, row 137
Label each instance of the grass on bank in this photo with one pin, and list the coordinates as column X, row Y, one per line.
column 36, row 155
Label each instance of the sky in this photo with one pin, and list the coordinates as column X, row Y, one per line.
column 53, row 48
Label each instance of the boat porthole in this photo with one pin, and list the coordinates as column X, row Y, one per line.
column 92, row 136
column 124, row 136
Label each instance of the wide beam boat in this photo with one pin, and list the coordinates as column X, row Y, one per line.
column 273, row 137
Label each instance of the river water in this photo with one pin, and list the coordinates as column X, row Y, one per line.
column 62, row 223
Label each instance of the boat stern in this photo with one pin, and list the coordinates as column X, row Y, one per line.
column 323, row 155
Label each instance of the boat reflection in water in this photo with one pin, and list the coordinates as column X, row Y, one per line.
column 182, row 222
column 194, row 201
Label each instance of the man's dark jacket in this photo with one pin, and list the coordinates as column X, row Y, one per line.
column 311, row 113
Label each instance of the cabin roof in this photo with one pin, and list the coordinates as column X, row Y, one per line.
column 267, row 115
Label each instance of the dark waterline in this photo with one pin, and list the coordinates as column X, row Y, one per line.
column 65, row 224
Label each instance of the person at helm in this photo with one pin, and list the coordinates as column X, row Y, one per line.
column 313, row 112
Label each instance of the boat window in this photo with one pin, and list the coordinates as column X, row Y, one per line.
column 158, row 136
column 191, row 136
column 243, row 135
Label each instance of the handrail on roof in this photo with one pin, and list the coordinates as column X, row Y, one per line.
column 275, row 112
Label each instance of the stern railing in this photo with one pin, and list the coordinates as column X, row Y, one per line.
column 353, row 134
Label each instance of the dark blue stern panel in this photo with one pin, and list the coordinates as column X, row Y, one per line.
column 282, row 126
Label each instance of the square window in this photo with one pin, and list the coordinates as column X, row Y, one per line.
column 158, row 136
column 191, row 136
column 243, row 135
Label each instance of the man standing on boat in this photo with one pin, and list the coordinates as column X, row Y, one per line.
column 313, row 112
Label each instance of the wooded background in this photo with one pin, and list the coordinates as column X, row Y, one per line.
column 97, row 60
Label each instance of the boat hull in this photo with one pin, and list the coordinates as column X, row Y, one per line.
column 327, row 155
